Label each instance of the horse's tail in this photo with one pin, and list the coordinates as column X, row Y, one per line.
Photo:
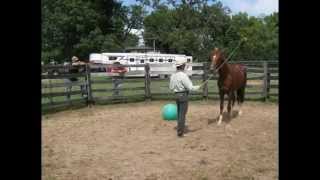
column 241, row 91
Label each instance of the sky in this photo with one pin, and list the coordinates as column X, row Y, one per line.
column 252, row 7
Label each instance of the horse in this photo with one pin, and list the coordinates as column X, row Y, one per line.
column 232, row 80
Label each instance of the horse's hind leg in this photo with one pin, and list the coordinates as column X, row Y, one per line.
column 240, row 99
column 240, row 111
column 241, row 93
column 221, row 93
column 234, row 99
column 231, row 98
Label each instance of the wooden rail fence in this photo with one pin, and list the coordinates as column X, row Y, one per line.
column 262, row 82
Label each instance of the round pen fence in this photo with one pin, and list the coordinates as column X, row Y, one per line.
column 111, row 87
column 61, row 87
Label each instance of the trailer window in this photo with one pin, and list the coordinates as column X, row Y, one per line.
column 188, row 60
column 169, row 60
column 142, row 61
column 131, row 59
column 113, row 58
column 151, row 60
column 160, row 60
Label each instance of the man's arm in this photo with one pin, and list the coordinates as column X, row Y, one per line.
column 188, row 83
column 171, row 85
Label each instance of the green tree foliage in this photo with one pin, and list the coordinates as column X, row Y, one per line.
column 195, row 28
column 192, row 27
column 79, row 27
column 262, row 35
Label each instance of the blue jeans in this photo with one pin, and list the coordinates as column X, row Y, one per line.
column 117, row 81
column 69, row 82
column 182, row 107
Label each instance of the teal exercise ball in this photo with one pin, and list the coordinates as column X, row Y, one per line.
column 169, row 112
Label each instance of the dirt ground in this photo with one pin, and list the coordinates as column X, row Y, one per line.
column 131, row 141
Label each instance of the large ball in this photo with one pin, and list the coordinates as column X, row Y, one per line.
column 169, row 112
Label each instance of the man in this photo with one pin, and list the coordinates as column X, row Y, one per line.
column 75, row 62
column 181, row 85
column 117, row 79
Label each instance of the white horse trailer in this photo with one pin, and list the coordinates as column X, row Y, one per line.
column 157, row 61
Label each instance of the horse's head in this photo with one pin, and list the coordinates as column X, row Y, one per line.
column 216, row 58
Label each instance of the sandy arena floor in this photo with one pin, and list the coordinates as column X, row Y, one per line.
column 131, row 141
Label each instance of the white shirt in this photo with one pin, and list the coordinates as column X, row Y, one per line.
column 180, row 82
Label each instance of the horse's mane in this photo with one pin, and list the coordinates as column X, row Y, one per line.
column 222, row 54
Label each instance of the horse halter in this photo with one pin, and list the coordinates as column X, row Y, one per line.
column 230, row 55
column 219, row 64
column 216, row 69
column 226, row 60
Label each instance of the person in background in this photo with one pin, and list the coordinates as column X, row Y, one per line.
column 181, row 85
column 75, row 68
column 117, row 79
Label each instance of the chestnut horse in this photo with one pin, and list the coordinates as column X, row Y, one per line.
column 232, row 81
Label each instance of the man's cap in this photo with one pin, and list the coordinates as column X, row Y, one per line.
column 180, row 61
column 74, row 58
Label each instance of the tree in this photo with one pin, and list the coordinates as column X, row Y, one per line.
column 195, row 28
column 262, row 35
column 79, row 27
column 192, row 29
column 65, row 23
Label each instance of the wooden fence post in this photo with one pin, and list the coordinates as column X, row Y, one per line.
column 50, row 87
column 265, row 81
column 88, row 85
column 268, row 83
column 147, row 82
column 205, row 77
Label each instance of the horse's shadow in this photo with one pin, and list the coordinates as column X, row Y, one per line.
column 225, row 117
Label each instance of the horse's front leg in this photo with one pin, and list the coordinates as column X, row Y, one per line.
column 221, row 93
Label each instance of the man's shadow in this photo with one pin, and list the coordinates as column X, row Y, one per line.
column 188, row 130
column 225, row 117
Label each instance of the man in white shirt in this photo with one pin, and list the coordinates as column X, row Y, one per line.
column 181, row 85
